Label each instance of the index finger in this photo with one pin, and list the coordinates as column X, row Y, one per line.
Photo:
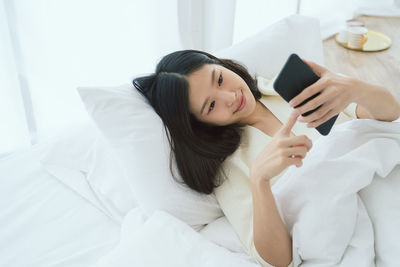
column 288, row 125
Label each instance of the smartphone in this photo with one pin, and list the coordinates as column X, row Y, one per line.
column 294, row 77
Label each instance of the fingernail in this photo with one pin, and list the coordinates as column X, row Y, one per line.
column 294, row 112
column 300, row 118
column 291, row 103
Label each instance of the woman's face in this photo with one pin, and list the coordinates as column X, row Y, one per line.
column 219, row 96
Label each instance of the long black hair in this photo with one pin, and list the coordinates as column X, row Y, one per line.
column 199, row 148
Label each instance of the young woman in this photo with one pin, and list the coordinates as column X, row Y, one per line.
column 228, row 140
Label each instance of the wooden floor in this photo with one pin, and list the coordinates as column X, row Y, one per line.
column 381, row 68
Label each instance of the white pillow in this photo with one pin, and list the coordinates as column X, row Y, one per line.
column 137, row 134
column 265, row 53
column 83, row 153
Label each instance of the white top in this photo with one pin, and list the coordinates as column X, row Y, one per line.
column 234, row 195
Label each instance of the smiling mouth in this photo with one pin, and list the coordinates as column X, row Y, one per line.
column 241, row 104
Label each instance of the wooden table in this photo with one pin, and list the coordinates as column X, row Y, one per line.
column 381, row 67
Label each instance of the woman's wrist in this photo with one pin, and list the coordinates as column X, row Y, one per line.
column 258, row 182
column 375, row 100
column 360, row 90
column 357, row 89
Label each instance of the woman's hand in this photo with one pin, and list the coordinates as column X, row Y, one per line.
column 335, row 95
column 277, row 155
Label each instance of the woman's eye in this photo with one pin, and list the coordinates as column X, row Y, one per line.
column 211, row 106
column 220, row 80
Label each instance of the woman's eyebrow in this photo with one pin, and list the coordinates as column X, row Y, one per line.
column 212, row 81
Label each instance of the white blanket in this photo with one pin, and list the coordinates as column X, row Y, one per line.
column 321, row 205
column 43, row 223
column 163, row 240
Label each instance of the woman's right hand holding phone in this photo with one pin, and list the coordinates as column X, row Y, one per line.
column 283, row 151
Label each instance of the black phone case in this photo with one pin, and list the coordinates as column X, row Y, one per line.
column 294, row 77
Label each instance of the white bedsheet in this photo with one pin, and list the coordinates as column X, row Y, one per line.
column 328, row 203
column 60, row 221
column 45, row 223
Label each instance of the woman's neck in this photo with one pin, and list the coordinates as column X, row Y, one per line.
column 259, row 115
column 264, row 120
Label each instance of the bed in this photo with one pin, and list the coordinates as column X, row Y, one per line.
column 63, row 202
column 43, row 222
column 47, row 222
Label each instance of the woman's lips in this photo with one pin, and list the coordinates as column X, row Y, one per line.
column 242, row 103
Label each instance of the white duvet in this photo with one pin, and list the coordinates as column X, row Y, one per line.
column 341, row 208
column 342, row 205
column 163, row 240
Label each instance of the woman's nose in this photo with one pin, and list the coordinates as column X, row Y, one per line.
column 229, row 98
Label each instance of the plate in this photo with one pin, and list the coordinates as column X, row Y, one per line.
column 376, row 42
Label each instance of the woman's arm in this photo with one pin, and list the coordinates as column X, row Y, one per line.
column 271, row 238
column 235, row 199
column 374, row 102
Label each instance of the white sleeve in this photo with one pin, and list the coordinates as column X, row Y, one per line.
column 235, row 199
column 350, row 110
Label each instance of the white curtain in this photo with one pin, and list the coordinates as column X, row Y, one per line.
column 13, row 128
column 206, row 24
column 50, row 47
